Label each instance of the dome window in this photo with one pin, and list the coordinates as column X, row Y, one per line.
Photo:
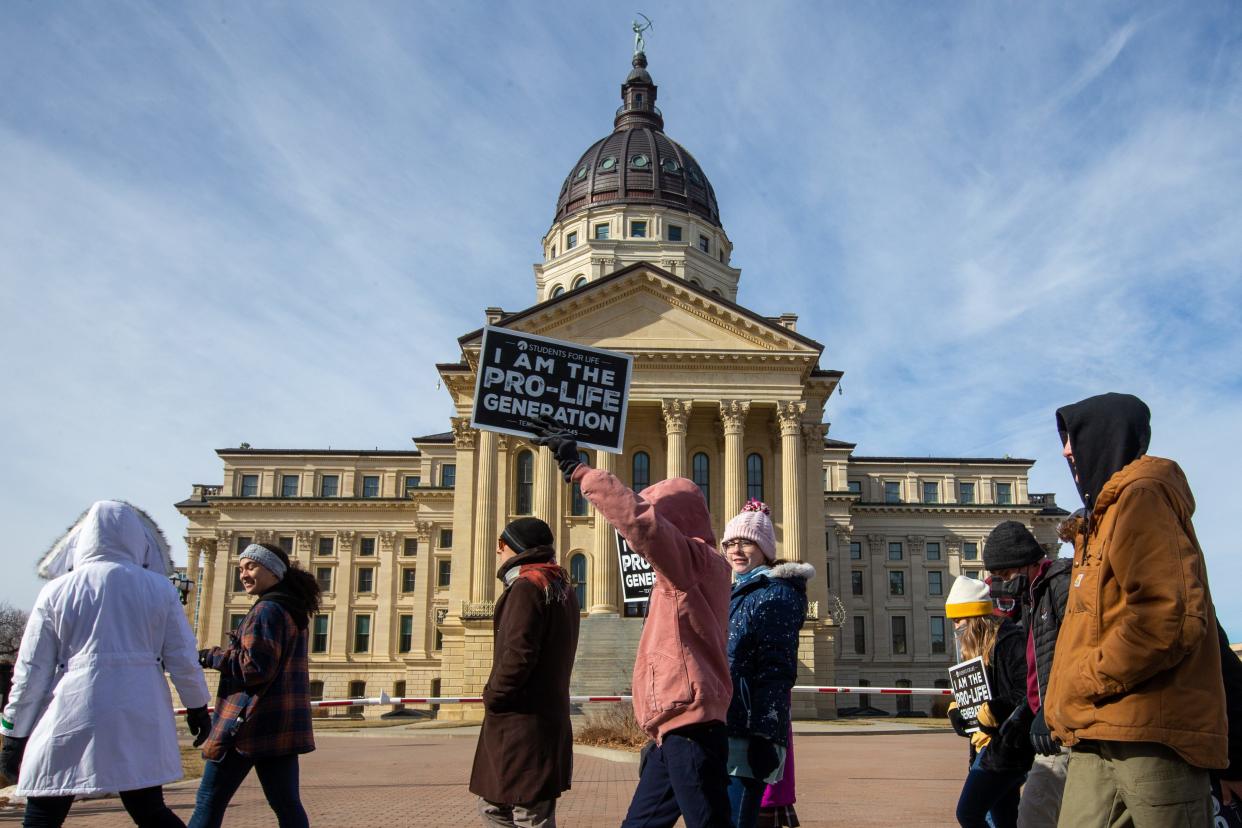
column 580, row 174
column 638, row 229
column 673, row 232
column 608, row 164
column 579, row 281
column 705, row 244
column 601, row 232
column 639, row 161
column 670, row 165
column 557, row 291
column 695, row 177
column 571, row 241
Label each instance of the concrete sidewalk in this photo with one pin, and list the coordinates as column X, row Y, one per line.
column 417, row 777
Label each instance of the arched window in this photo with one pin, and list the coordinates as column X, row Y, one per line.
column 640, row 471
column 700, row 468
column 558, row 290
column 579, row 281
column 578, row 504
column 524, row 478
column 754, row 477
column 578, row 577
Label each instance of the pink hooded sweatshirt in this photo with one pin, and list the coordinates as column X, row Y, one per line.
column 681, row 672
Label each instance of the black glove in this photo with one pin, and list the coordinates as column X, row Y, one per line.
column 959, row 723
column 198, row 720
column 762, row 757
column 207, row 659
column 1015, row 731
column 564, row 447
column 1041, row 736
column 11, row 757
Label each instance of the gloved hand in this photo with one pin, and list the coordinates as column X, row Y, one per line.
column 1041, row 736
column 564, row 447
column 1015, row 731
column 199, row 722
column 207, row 659
column 762, row 757
column 959, row 723
column 11, row 757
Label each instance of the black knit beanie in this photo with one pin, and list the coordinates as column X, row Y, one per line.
column 526, row 533
column 1011, row 546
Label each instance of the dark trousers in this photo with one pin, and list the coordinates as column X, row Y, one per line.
column 278, row 776
column 992, row 792
column 745, row 799
column 145, row 807
column 684, row 777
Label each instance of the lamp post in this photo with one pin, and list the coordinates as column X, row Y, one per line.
column 183, row 584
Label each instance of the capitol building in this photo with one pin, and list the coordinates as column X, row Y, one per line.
column 636, row 260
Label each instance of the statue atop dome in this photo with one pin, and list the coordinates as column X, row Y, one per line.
column 640, row 45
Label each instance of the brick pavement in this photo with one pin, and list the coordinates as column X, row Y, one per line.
column 403, row 777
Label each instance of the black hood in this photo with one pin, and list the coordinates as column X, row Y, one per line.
column 281, row 595
column 1107, row 433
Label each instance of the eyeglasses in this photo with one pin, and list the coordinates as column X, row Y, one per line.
column 736, row 544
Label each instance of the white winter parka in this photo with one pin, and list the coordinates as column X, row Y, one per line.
column 88, row 687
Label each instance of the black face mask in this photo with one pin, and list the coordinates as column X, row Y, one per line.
column 1009, row 595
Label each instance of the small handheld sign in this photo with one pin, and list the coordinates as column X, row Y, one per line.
column 582, row 390
column 969, row 680
column 637, row 576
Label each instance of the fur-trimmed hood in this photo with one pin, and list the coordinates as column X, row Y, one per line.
column 792, row 569
column 110, row 530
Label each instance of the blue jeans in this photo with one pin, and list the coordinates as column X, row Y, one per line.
column 991, row 792
column 685, row 776
column 278, row 776
column 745, row 799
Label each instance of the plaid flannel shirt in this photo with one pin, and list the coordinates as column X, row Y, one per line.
column 279, row 721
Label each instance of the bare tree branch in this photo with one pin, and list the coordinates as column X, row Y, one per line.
column 12, row 625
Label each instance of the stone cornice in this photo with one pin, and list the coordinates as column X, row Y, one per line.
column 302, row 503
column 945, row 508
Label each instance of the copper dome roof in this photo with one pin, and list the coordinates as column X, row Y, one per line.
column 638, row 163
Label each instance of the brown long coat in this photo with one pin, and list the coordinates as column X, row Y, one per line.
column 525, row 751
column 1137, row 658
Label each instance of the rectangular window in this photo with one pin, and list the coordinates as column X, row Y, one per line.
column 931, row 492
column 899, row 635
column 444, row 574
column 330, row 485
column 896, row 583
column 638, row 229
column 242, row 542
column 412, row 482
column 285, row 543
column 860, row 634
column 966, row 493
column 370, row 486
column 366, row 579
column 237, row 584
column 892, row 491
column 362, row 640
column 977, row 574
column 673, row 232
column 854, row 487
column 937, row 634
column 935, row 582
column 406, row 642
column 571, row 240
column 895, row 552
column 448, row 475
column 933, row 551
column 439, row 645
column 601, row 232
column 319, row 637
column 705, row 244
column 970, row 551
column 366, row 547
column 1004, row 494
column 409, row 547
column 250, row 485
column 446, row 538
column 856, row 582
column 323, row 576
column 407, row 579
column 289, row 485
column 235, row 620
column 855, row 550
column 326, row 546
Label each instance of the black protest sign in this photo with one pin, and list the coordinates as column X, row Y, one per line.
column 582, row 390
column 969, row 680
column 637, row 576
column 1224, row 816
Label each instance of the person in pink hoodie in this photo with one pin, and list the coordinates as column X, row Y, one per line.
column 681, row 682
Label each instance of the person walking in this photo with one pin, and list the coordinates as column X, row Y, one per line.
column 1136, row 688
column 681, row 682
column 263, row 716
column 89, row 710
column 999, row 758
column 524, row 758
column 1037, row 586
column 766, row 611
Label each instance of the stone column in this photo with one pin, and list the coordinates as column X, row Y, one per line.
column 341, row 635
column 604, row 574
column 547, row 478
column 789, row 414
column 193, row 547
column 387, row 575
column 464, row 503
column 733, row 423
column 483, row 557
column 209, row 632
column 424, row 581
column 304, row 542
column 676, row 414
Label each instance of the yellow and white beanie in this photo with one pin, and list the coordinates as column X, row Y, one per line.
column 969, row 598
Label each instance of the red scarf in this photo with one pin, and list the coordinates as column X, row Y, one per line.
column 549, row 577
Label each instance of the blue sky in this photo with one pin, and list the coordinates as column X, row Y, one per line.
column 266, row 222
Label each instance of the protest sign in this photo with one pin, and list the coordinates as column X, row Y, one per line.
column 583, row 390
column 637, row 576
column 969, row 680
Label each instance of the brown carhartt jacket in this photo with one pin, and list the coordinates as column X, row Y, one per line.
column 1137, row 659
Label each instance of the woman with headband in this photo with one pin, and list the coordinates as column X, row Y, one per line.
column 263, row 717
